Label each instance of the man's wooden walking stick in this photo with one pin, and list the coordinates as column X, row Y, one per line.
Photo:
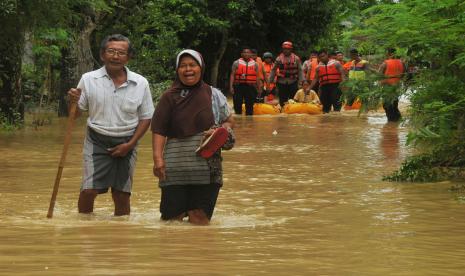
column 69, row 129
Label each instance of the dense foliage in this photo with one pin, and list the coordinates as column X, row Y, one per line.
column 48, row 44
column 428, row 34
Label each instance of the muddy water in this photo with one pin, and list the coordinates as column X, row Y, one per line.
column 303, row 196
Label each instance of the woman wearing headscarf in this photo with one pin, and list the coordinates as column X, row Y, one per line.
column 186, row 114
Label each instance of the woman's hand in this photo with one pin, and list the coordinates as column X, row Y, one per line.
column 159, row 169
column 208, row 133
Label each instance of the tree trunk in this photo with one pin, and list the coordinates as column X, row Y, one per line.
column 68, row 79
column 11, row 47
column 76, row 60
column 218, row 57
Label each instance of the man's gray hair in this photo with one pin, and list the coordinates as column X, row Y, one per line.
column 116, row 37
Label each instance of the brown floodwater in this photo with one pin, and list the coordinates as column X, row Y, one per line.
column 303, row 196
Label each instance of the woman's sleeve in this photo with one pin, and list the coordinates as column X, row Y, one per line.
column 224, row 109
column 162, row 116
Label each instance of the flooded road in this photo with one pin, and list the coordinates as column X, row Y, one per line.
column 302, row 196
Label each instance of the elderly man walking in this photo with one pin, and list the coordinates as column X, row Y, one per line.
column 120, row 108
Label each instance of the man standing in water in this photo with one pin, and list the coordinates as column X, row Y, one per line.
column 330, row 74
column 357, row 71
column 309, row 66
column 290, row 73
column 120, row 109
column 244, row 82
column 393, row 69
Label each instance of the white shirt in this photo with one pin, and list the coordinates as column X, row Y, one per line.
column 115, row 111
column 221, row 111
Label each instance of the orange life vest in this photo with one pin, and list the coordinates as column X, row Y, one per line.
column 288, row 69
column 347, row 66
column 328, row 73
column 311, row 73
column 245, row 72
column 394, row 70
column 268, row 68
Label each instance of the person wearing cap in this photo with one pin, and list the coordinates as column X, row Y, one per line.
column 119, row 106
column 244, row 82
column 187, row 113
column 289, row 75
column 329, row 74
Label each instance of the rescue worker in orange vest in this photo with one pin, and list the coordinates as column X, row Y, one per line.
column 289, row 75
column 261, row 72
column 393, row 69
column 330, row 74
column 244, row 82
column 269, row 85
column 345, row 65
column 309, row 66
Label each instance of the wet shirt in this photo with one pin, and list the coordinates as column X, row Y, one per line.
column 311, row 97
column 115, row 111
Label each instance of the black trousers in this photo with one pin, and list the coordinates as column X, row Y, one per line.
column 244, row 93
column 330, row 96
column 286, row 91
column 392, row 111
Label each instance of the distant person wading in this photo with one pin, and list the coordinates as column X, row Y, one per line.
column 289, row 75
column 393, row 70
column 244, row 82
column 329, row 74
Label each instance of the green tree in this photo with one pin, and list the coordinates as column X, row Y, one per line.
column 46, row 21
column 217, row 29
column 428, row 34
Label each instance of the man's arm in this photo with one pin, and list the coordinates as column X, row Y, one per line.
column 123, row 149
column 301, row 73
column 259, row 81
column 273, row 71
column 340, row 69
column 231, row 77
column 382, row 68
column 317, row 72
